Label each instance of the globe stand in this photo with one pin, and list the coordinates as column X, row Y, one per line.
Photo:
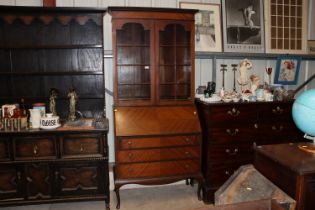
column 310, row 148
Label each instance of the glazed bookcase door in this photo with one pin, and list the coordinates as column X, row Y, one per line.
column 133, row 53
column 174, row 65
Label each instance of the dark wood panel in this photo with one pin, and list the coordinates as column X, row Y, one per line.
column 4, row 149
column 27, row 87
column 38, row 181
column 10, row 183
column 233, row 133
column 149, row 155
column 5, row 59
column 224, row 153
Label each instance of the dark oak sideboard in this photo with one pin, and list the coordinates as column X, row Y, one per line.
column 43, row 166
column 230, row 131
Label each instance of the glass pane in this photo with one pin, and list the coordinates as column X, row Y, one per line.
column 133, row 75
column 183, row 36
column 167, row 55
column 183, row 91
column 167, row 74
column 183, row 74
column 133, row 55
column 167, row 91
column 183, row 55
column 167, row 36
column 134, row 91
column 133, row 34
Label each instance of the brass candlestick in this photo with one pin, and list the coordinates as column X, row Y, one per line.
column 234, row 69
column 223, row 69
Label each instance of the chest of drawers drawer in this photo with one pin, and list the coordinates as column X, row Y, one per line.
column 148, row 155
column 73, row 146
column 34, row 147
column 224, row 153
column 230, row 114
column 233, row 133
column 4, row 149
column 279, row 112
column 158, row 142
column 158, row 169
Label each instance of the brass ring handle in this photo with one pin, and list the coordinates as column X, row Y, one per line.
column 235, row 151
column 187, row 139
column 187, row 153
column 233, row 112
column 232, row 133
column 277, row 110
column 277, row 129
column 35, row 149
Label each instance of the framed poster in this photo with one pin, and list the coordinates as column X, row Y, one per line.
column 287, row 70
column 286, row 26
column 243, row 26
column 207, row 26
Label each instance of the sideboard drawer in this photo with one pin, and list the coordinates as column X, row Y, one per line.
column 154, row 142
column 4, row 149
column 73, row 146
column 158, row 169
column 34, row 147
column 231, row 113
column 129, row 156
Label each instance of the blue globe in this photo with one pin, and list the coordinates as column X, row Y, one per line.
column 303, row 112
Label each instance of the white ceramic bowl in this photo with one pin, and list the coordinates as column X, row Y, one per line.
column 49, row 122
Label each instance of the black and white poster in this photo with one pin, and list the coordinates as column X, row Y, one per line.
column 243, row 26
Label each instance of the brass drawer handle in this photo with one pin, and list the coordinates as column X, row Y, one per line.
column 277, row 129
column 227, row 173
column 130, row 155
column 35, row 149
column 56, row 176
column 129, row 143
column 187, row 139
column 195, row 113
column 277, row 110
column 234, row 112
column 187, row 154
column 187, row 166
column 255, row 125
column 81, row 148
column 232, row 152
column 18, row 175
column 232, row 133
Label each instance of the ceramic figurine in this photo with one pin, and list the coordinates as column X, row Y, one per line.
column 255, row 83
column 52, row 101
column 73, row 98
column 243, row 80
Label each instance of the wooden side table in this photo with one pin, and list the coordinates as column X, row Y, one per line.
column 291, row 169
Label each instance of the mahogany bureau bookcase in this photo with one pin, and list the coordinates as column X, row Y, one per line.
column 157, row 131
column 230, row 131
column 44, row 48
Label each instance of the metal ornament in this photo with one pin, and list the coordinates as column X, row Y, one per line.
column 234, row 69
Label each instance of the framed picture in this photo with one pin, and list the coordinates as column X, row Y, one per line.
column 207, row 26
column 243, row 26
column 287, row 70
column 286, row 26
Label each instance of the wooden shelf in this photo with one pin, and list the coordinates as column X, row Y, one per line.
column 48, row 47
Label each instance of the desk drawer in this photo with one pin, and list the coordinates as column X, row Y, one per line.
column 34, row 147
column 129, row 156
column 157, row 142
column 157, row 169
column 74, row 146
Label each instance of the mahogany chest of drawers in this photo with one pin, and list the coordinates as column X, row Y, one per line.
column 40, row 166
column 230, row 132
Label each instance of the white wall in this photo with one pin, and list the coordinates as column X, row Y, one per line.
column 203, row 67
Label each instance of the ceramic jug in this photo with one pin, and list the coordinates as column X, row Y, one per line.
column 35, row 115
